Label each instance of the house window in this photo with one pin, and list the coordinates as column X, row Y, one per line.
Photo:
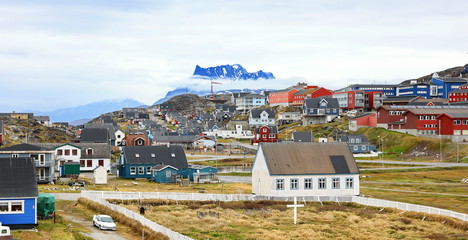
column 59, row 152
column 67, row 152
column 74, row 152
column 132, row 170
column 279, row 184
column 15, row 155
column 139, row 142
column 465, row 122
column 89, row 163
column 153, row 155
column 89, row 151
column 457, row 122
column 82, row 163
column 101, row 163
column 137, row 155
column 148, row 170
column 141, row 170
column 40, row 174
column 335, row 183
column 349, row 183
column 264, row 135
column 294, row 184
column 11, row 207
column 322, row 184
column 355, row 148
column 272, row 135
column 41, row 159
column 363, row 147
column 308, row 183
column 168, row 173
column 264, row 130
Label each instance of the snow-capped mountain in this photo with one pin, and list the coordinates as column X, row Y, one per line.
column 236, row 72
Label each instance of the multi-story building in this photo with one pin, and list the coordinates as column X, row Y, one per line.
column 459, row 95
column 445, row 85
column 319, row 110
column 43, row 157
column 386, row 89
column 262, row 116
column 246, row 103
column 415, row 88
column 351, row 100
column 454, row 125
column 309, row 92
column 283, row 97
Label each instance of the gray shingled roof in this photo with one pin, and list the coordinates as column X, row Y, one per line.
column 315, row 102
column 255, row 113
column 25, row 147
column 452, row 79
column 363, row 138
column 94, row 135
column 302, row 136
column 172, row 155
column 17, row 178
column 273, row 129
column 109, row 126
column 458, row 115
column 288, row 158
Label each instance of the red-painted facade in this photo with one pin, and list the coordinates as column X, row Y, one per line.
column 366, row 120
column 312, row 92
column 373, row 99
column 264, row 134
column 459, row 95
column 423, row 123
column 284, row 98
column 450, row 125
column 387, row 115
column 137, row 140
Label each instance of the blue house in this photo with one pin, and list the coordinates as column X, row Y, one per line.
column 137, row 161
column 358, row 143
column 199, row 173
column 413, row 88
column 18, row 192
column 164, row 173
column 387, row 89
column 447, row 84
column 320, row 110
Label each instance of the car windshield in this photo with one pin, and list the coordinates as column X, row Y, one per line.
column 106, row 219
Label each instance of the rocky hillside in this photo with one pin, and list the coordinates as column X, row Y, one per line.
column 21, row 131
column 189, row 103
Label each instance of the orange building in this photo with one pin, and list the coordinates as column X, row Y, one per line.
column 309, row 92
column 282, row 97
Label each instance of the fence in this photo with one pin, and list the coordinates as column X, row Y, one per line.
column 133, row 215
column 101, row 196
column 408, row 207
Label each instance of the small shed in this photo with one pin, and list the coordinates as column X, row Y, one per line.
column 70, row 168
column 100, row 175
column 164, row 173
column 45, row 204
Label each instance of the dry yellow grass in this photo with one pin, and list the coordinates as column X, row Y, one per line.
column 245, row 220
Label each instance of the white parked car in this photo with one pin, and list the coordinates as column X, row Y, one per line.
column 104, row 222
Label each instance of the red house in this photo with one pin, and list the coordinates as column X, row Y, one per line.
column 419, row 121
column 388, row 114
column 373, row 99
column 138, row 139
column 282, row 97
column 461, row 94
column 265, row 134
column 310, row 92
column 351, row 100
column 365, row 120
column 455, row 124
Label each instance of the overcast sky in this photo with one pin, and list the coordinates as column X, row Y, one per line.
column 56, row 54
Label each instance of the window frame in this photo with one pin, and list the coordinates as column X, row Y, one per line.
column 322, row 183
column 308, row 183
column 294, row 184
column 132, row 170
column 336, row 183
column 279, row 184
column 9, row 205
column 349, row 184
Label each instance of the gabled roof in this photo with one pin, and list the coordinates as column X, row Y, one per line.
column 408, row 98
column 302, row 136
column 348, row 137
column 168, row 155
column 291, row 158
column 255, row 113
column 315, row 102
column 231, row 125
column 161, row 167
column 25, row 147
column 452, row 79
column 17, row 178
column 94, row 135
column 273, row 129
column 457, row 115
column 109, row 126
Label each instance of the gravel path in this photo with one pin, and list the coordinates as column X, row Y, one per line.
column 94, row 233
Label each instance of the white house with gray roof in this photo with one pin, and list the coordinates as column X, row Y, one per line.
column 304, row 169
column 262, row 116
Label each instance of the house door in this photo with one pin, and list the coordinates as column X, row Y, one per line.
column 41, row 173
column 259, row 186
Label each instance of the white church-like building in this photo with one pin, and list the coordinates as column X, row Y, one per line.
column 304, row 169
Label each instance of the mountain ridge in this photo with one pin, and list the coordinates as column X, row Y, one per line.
column 235, row 72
